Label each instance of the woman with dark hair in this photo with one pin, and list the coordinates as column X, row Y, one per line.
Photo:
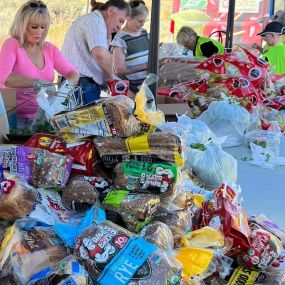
column 95, row 5
column 130, row 48
column 86, row 45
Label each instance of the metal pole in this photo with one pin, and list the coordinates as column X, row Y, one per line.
column 154, row 43
column 230, row 26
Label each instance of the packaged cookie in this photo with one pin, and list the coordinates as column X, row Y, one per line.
column 158, row 234
column 81, row 191
column 155, row 147
column 155, row 178
column 135, row 209
column 43, row 168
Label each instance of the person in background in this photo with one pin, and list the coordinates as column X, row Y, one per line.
column 272, row 35
column 86, row 45
column 201, row 46
column 27, row 60
column 130, row 48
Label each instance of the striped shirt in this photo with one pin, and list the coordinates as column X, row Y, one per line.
column 85, row 33
column 136, row 50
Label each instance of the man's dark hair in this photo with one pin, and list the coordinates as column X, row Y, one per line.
column 120, row 4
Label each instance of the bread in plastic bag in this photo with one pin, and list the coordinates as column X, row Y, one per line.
column 17, row 199
column 144, row 177
column 159, row 234
column 134, row 208
column 112, row 116
column 147, row 147
column 226, row 119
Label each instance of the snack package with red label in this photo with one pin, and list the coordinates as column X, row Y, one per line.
column 118, row 87
column 42, row 168
column 234, row 224
column 264, row 249
column 215, row 65
column 83, row 152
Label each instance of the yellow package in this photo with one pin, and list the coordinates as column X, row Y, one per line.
column 203, row 238
column 194, row 261
column 146, row 110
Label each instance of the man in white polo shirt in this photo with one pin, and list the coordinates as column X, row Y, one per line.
column 86, row 46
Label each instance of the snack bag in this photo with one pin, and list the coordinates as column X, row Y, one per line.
column 215, row 65
column 154, row 178
column 43, row 168
column 83, row 152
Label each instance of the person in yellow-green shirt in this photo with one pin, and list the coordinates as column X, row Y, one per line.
column 272, row 35
column 201, row 46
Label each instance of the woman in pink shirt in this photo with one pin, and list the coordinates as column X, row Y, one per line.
column 26, row 59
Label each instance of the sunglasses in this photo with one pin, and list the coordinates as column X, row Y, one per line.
column 37, row 5
column 135, row 4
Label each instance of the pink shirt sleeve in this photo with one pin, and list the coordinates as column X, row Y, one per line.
column 61, row 65
column 8, row 56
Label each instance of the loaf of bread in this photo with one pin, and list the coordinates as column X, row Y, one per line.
column 154, row 147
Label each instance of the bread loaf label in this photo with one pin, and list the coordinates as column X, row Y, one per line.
column 243, row 276
column 138, row 144
column 127, row 262
column 159, row 178
column 115, row 198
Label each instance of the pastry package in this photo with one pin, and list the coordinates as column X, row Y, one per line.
column 106, row 249
column 81, row 192
column 83, row 152
column 139, row 176
column 43, row 168
column 158, row 234
column 111, row 116
column 17, row 199
column 135, row 209
column 154, row 147
column 8, row 157
column 29, row 247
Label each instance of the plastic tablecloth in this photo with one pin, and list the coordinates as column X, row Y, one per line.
column 263, row 190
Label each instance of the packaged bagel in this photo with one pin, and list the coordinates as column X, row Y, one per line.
column 158, row 234
column 108, row 117
column 155, row 178
column 135, row 209
column 154, row 147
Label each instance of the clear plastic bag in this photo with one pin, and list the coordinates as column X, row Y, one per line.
column 226, row 119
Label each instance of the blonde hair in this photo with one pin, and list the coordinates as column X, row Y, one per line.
column 186, row 36
column 138, row 9
column 25, row 15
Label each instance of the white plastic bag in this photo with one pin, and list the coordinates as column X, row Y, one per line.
column 227, row 119
column 212, row 165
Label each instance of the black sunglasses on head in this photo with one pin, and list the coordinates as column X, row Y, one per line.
column 135, row 4
column 36, row 5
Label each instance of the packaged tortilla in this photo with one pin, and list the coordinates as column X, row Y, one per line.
column 147, row 148
column 83, row 152
column 109, row 117
column 139, row 176
column 158, row 234
column 135, row 209
column 16, row 198
column 43, row 168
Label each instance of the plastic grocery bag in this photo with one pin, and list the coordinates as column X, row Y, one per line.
column 146, row 110
column 211, row 164
column 226, row 119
